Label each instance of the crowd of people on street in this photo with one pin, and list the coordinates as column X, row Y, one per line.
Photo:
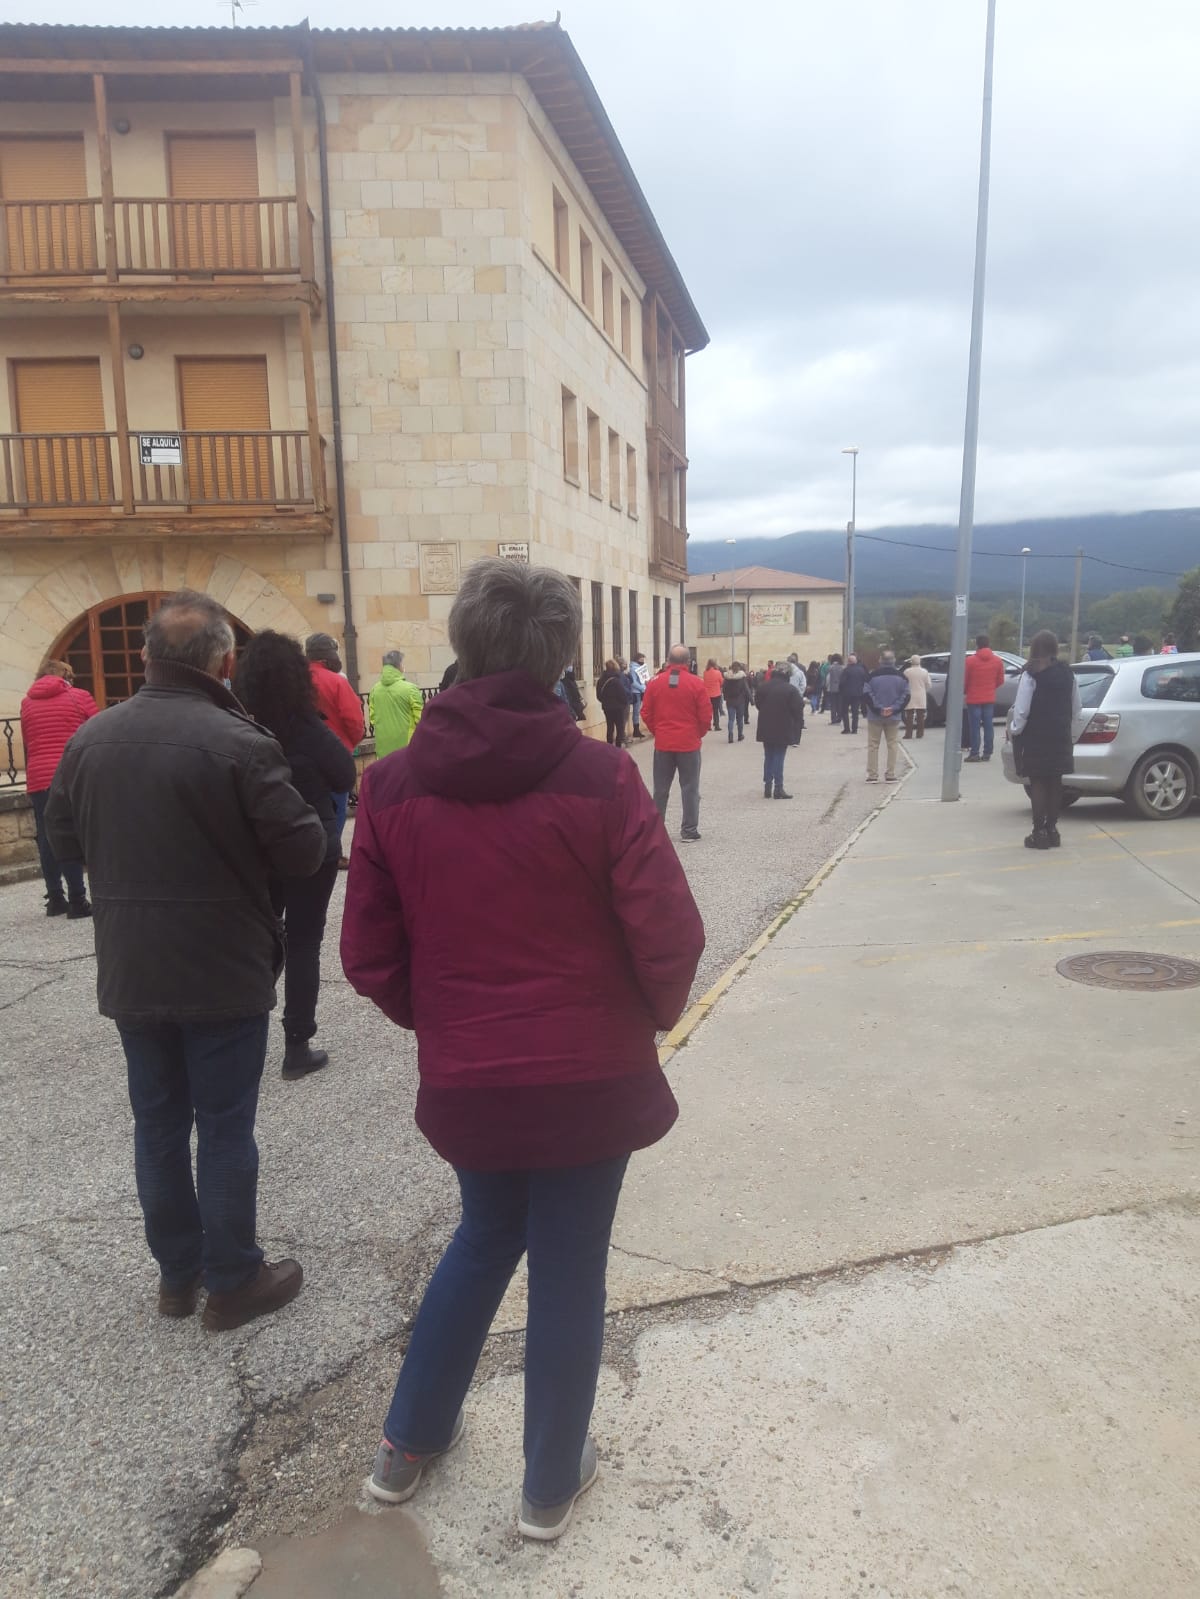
column 209, row 812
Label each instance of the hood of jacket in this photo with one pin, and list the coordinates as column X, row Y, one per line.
column 491, row 739
column 49, row 687
column 984, row 654
column 735, row 677
column 390, row 675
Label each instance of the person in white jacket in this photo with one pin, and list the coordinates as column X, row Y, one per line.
column 919, row 684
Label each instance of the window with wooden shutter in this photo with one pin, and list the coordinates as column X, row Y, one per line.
column 226, row 418
column 208, row 175
column 68, row 459
column 49, row 224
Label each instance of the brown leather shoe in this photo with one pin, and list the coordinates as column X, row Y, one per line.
column 178, row 1301
column 272, row 1286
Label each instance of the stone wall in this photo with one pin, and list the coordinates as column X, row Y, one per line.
column 18, row 836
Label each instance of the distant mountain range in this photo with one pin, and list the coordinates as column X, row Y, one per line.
column 887, row 564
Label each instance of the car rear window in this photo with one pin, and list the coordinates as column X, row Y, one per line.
column 1178, row 683
column 1094, row 684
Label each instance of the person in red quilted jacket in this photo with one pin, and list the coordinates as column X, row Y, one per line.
column 52, row 710
column 514, row 899
column 341, row 708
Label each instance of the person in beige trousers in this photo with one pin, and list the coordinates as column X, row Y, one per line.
column 885, row 697
column 919, row 684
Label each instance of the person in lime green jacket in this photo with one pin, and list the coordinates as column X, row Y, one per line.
column 395, row 706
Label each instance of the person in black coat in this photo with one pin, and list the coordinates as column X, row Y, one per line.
column 1046, row 719
column 780, row 724
column 613, row 695
column 854, row 684
column 274, row 684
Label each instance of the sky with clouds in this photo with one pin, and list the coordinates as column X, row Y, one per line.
column 814, row 163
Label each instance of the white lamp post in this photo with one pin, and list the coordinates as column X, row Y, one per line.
column 852, row 452
column 732, row 605
column 1026, row 552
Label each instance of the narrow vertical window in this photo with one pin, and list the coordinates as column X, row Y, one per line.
column 606, row 300
column 631, row 494
column 595, row 487
column 597, row 628
column 562, row 238
column 587, row 281
column 570, row 436
column 614, row 469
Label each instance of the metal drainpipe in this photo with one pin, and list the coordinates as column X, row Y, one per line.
column 339, row 475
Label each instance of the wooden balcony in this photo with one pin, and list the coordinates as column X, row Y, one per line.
column 668, row 554
column 52, row 483
column 64, row 242
column 668, row 418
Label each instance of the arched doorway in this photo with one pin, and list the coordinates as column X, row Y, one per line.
column 104, row 646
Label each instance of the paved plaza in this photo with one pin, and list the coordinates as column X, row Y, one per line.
column 905, row 1305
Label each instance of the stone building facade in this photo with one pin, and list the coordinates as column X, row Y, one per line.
column 396, row 302
column 774, row 614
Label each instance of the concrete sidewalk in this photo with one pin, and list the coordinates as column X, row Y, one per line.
column 911, row 1293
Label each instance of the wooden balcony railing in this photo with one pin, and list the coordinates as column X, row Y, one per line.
column 263, row 237
column 73, row 473
column 670, row 547
column 668, row 417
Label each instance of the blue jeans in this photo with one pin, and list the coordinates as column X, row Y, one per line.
column 982, row 717
column 340, row 804
column 774, row 756
column 563, row 1218
column 206, row 1072
column 54, row 870
column 636, row 705
column 736, row 713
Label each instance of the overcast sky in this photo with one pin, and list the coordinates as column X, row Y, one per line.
column 814, row 163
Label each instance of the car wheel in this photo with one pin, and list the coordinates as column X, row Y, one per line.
column 1161, row 788
column 1070, row 797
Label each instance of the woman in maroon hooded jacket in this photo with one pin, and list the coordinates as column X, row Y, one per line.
column 52, row 710
column 514, row 899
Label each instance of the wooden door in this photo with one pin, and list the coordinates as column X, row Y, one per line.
column 70, row 461
column 210, row 174
column 226, row 418
column 49, row 225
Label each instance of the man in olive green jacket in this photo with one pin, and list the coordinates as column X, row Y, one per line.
column 395, row 706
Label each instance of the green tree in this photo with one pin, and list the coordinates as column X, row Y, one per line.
column 1183, row 619
column 1129, row 611
column 1002, row 630
column 918, row 627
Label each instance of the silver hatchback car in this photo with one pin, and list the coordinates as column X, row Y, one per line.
column 1142, row 741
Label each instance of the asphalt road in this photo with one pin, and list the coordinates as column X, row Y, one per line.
column 121, row 1434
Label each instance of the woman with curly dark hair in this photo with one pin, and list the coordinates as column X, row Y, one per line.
column 275, row 686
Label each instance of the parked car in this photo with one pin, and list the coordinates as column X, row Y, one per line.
column 1142, row 743
column 938, row 665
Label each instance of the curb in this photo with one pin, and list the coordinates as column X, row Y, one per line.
column 681, row 1033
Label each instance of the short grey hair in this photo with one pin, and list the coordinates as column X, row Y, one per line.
column 191, row 629
column 509, row 617
column 394, row 658
column 887, row 657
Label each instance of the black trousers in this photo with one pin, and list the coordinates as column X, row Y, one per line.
column 851, row 704
column 303, row 902
column 614, row 722
column 1045, row 798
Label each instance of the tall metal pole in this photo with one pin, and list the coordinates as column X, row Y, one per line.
column 951, row 753
column 852, row 452
column 732, row 604
column 1075, row 604
column 1021, row 624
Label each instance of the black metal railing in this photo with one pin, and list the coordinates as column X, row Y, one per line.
column 13, row 775
column 426, row 695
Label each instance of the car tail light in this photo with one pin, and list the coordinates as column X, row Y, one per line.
column 1102, row 728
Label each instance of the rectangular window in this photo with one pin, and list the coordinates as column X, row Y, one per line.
column 801, row 621
column 631, row 480
column 667, row 609
column 577, row 663
column 50, row 227
column 66, row 456
column 587, row 282
column 606, row 300
column 1180, row 684
column 634, row 646
column 595, row 488
column 208, row 173
column 618, row 643
column 714, row 620
column 225, row 409
column 570, row 440
column 626, row 327
column 597, row 628
column 562, row 238
column 677, row 519
column 614, row 469
column 656, row 630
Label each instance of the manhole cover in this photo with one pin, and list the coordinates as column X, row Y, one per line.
column 1131, row 968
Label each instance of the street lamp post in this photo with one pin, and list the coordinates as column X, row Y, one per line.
column 1026, row 552
column 732, row 605
column 852, row 452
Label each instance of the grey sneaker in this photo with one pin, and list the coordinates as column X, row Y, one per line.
column 397, row 1474
column 546, row 1522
